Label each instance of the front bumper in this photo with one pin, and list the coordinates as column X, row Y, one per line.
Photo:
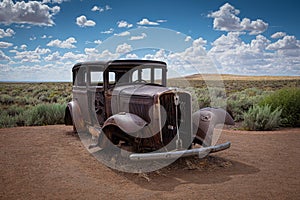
column 201, row 152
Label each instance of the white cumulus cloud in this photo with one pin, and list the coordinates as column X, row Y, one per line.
column 225, row 19
column 98, row 42
column 53, row 57
column 66, row 44
column 5, row 44
column 131, row 56
column 3, row 56
column 100, row 9
column 161, row 21
column 90, row 51
column 124, row 24
column 107, row 7
column 82, row 21
column 123, row 48
column 97, row 8
column 31, row 12
column 54, row 1
column 233, row 55
column 31, row 56
column 287, row 42
column 259, row 44
column 6, row 33
column 145, row 21
column 139, row 37
column 188, row 38
column 72, row 56
column 123, row 34
column 278, row 35
column 111, row 30
column 23, row 46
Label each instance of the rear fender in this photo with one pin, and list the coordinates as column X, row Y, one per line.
column 68, row 116
column 73, row 116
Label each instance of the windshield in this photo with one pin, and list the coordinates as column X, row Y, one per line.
column 144, row 74
column 147, row 75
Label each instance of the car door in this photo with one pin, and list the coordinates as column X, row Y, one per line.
column 80, row 93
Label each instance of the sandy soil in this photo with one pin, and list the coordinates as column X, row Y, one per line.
column 50, row 163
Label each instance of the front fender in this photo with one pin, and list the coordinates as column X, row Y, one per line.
column 204, row 122
column 127, row 122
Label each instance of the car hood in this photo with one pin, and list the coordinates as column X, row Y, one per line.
column 140, row 90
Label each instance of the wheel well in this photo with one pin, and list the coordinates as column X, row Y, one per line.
column 115, row 134
column 68, row 116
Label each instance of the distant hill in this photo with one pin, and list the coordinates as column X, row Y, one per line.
column 234, row 83
column 239, row 77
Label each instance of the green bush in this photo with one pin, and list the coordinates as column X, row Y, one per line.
column 289, row 100
column 240, row 102
column 6, row 120
column 262, row 118
column 14, row 110
column 212, row 97
column 6, row 99
column 45, row 114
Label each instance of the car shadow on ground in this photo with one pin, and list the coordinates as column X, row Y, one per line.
column 189, row 170
column 192, row 170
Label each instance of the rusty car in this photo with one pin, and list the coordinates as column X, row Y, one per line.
column 127, row 103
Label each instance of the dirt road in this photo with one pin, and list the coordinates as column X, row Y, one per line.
column 49, row 163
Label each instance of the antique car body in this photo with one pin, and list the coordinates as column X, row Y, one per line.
column 127, row 103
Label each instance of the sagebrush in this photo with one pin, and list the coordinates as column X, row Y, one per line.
column 43, row 114
column 260, row 118
column 240, row 102
column 289, row 100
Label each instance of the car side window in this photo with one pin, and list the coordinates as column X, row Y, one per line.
column 96, row 78
column 158, row 76
column 81, row 77
column 112, row 77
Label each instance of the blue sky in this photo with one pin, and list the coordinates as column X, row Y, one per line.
column 42, row 40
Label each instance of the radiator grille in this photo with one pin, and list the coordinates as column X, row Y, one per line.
column 169, row 128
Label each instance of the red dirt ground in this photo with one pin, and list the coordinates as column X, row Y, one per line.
column 50, row 163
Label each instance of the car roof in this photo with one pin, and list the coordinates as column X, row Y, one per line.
column 106, row 64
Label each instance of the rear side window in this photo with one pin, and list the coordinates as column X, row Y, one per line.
column 80, row 77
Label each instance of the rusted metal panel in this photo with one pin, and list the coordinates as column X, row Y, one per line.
column 143, row 117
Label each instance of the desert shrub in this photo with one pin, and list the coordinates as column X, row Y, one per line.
column 6, row 120
column 11, row 118
column 15, row 92
column 262, row 118
column 14, row 110
column 240, row 102
column 6, row 99
column 203, row 98
column 212, row 97
column 25, row 100
column 45, row 114
column 289, row 100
